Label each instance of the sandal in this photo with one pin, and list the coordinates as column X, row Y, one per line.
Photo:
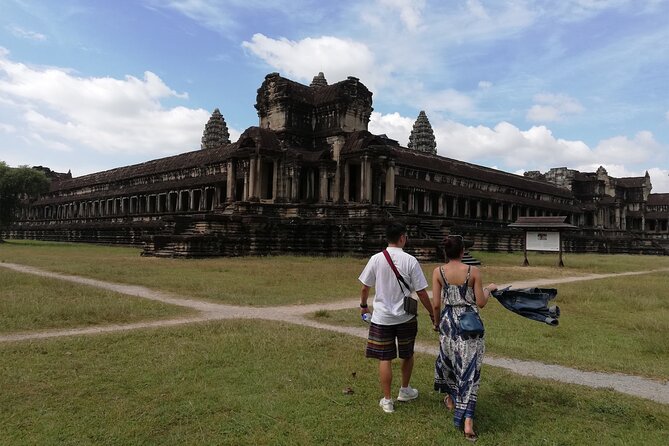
column 471, row 437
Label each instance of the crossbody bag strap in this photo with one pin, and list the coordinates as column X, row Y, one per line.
column 400, row 279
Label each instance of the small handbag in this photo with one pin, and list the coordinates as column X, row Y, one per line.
column 471, row 324
column 410, row 304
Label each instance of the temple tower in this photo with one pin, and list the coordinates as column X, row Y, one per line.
column 422, row 136
column 319, row 81
column 215, row 132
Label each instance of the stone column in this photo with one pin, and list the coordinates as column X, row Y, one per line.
column 275, row 178
column 510, row 212
column 230, row 182
column 347, row 185
column 390, row 183
column 411, row 203
column 245, row 194
column 295, row 183
column 323, row 185
column 500, row 212
column 440, row 209
column 365, row 180
column 258, row 186
column 478, row 209
column 252, row 193
column 467, row 208
column 455, row 207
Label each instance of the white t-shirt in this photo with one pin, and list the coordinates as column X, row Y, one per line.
column 389, row 297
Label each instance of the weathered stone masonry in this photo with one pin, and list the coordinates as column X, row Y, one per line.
column 310, row 178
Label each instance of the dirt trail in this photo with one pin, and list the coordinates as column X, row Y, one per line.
column 296, row 314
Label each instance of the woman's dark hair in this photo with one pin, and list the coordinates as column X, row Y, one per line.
column 453, row 246
column 394, row 231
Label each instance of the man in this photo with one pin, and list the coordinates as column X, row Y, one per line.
column 389, row 320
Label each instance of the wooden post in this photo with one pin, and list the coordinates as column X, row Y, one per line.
column 525, row 262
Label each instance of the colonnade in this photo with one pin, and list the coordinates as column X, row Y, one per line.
column 441, row 204
column 182, row 200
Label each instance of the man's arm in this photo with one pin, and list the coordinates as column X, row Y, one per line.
column 364, row 295
column 425, row 300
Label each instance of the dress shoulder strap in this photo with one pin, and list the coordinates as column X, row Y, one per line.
column 443, row 277
column 469, row 272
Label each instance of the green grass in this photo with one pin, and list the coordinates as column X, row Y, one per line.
column 264, row 281
column 256, row 281
column 617, row 325
column 29, row 302
column 257, row 383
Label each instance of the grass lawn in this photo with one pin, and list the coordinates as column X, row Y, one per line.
column 29, row 302
column 257, row 383
column 266, row 281
column 617, row 324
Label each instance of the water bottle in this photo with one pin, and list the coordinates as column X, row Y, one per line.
column 366, row 317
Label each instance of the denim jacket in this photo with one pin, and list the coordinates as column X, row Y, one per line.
column 531, row 303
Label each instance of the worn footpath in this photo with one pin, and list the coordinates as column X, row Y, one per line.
column 297, row 314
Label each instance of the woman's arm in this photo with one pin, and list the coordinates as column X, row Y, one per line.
column 481, row 295
column 436, row 296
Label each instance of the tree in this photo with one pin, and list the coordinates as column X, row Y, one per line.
column 17, row 185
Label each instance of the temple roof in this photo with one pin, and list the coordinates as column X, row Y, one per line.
column 658, row 200
column 463, row 169
column 170, row 163
column 548, row 222
column 631, row 181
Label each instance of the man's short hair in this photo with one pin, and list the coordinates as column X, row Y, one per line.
column 394, row 231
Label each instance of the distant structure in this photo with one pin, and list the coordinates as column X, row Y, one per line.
column 422, row 136
column 216, row 132
column 311, row 179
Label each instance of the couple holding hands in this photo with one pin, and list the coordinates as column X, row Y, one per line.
column 456, row 289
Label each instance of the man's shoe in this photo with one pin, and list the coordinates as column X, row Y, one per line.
column 387, row 405
column 407, row 394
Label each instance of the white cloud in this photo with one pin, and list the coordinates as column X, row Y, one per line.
column 507, row 145
column 25, row 34
column 659, row 178
column 303, row 59
column 7, row 128
column 553, row 107
column 667, row 116
column 410, row 11
column 393, row 125
column 485, row 84
column 61, row 111
column 209, row 13
column 620, row 149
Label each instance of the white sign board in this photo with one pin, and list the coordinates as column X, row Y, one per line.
column 542, row 241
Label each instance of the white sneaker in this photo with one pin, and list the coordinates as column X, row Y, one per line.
column 407, row 394
column 387, row 405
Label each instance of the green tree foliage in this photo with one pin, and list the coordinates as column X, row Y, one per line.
column 18, row 184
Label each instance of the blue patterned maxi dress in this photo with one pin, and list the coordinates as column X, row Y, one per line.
column 458, row 366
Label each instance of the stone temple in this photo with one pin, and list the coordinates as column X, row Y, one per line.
column 311, row 179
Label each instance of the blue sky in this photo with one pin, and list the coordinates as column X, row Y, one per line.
column 516, row 85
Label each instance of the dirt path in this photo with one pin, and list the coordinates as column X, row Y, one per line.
column 296, row 314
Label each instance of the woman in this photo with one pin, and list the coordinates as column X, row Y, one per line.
column 458, row 366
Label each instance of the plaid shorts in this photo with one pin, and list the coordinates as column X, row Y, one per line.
column 381, row 340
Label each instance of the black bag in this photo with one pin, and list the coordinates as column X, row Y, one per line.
column 410, row 304
column 471, row 324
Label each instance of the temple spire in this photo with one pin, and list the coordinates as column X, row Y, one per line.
column 319, row 81
column 422, row 136
column 215, row 132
